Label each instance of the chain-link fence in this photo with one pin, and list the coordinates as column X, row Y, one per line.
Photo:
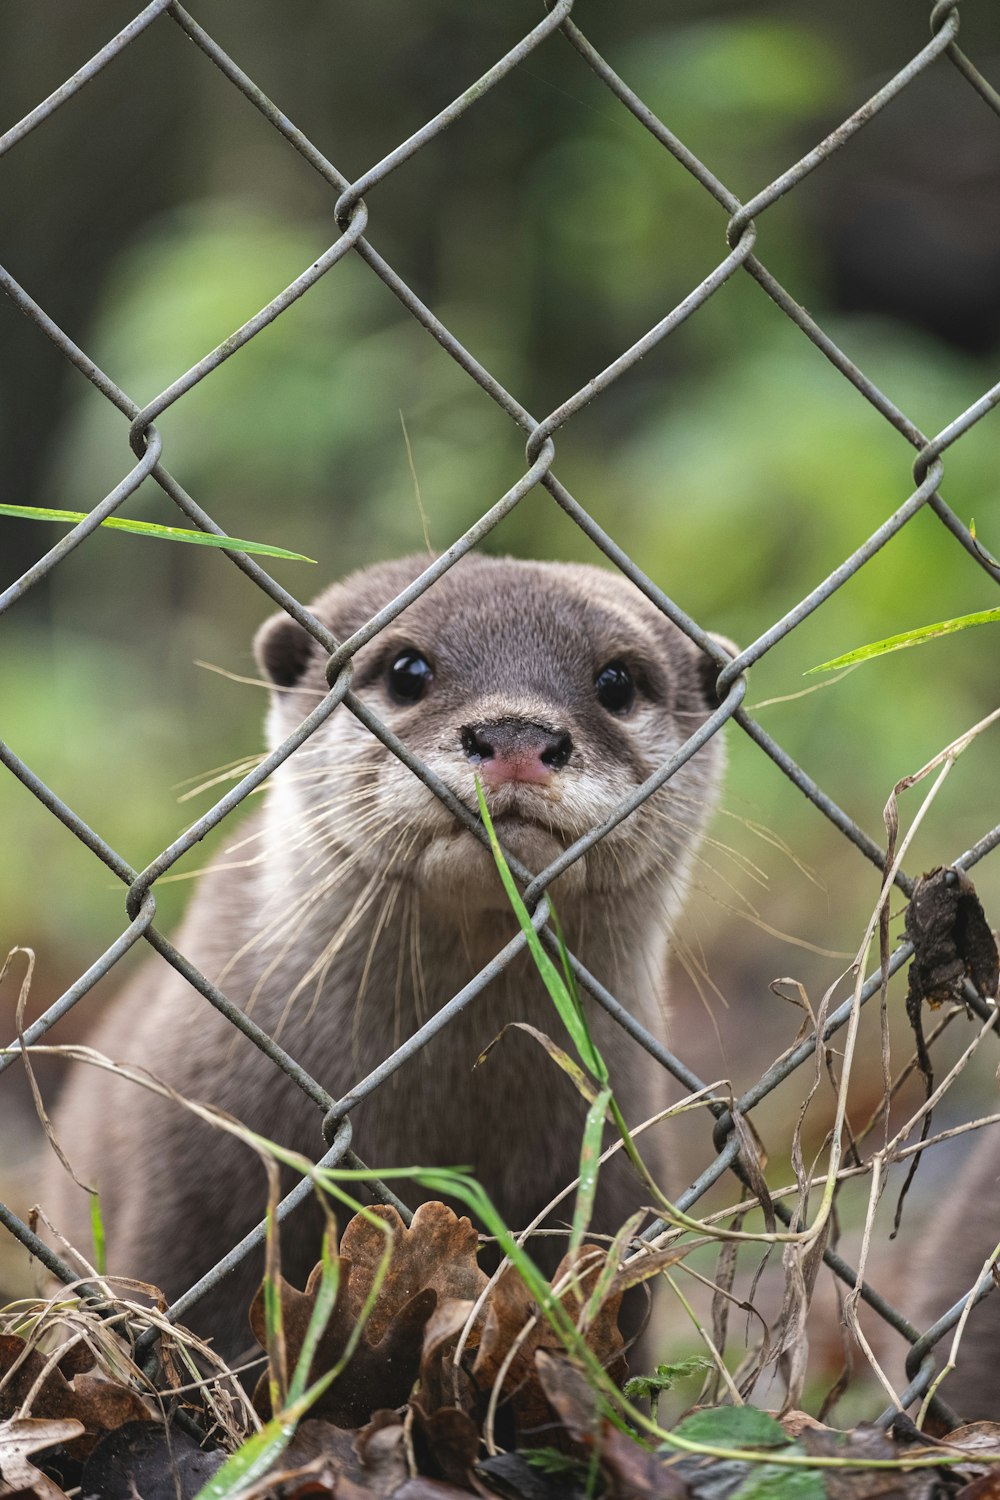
column 741, row 223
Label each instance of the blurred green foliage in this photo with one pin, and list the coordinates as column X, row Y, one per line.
column 156, row 212
column 548, row 231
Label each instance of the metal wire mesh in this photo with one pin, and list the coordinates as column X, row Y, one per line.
column 740, row 223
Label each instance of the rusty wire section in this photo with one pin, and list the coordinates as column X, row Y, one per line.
column 738, row 229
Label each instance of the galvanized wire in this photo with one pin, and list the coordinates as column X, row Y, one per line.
column 742, row 229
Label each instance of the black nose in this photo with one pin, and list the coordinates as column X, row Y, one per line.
column 516, row 749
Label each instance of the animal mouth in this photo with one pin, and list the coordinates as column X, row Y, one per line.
column 455, row 864
column 509, row 824
column 518, row 814
column 515, row 821
column 534, row 841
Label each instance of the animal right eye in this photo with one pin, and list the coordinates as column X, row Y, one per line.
column 409, row 677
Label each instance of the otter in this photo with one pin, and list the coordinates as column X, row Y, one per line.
column 354, row 905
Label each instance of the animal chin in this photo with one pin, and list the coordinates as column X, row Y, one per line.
column 458, row 869
column 535, row 843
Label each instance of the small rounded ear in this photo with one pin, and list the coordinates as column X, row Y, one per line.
column 708, row 669
column 283, row 649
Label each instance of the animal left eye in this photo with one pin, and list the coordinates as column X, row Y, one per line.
column 615, row 688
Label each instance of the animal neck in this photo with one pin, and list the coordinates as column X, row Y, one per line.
column 335, row 939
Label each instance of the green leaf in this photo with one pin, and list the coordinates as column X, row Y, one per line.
column 642, row 1387
column 162, row 533
column 733, row 1427
column 551, row 1461
column 774, row 1482
column 908, row 638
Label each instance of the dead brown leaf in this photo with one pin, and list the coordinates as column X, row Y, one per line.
column 448, row 1407
column 796, row 1422
column 435, row 1258
column 442, row 1382
column 422, row 1310
column 982, row 1438
column 986, row 1487
column 952, row 942
column 866, row 1444
column 147, row 1459
column 419, row 1488
column 326, row 1460
column 510, row 1307
column 453, row 1439
column 27, row 1435
column 630, row 1471
column 320, row 1460
column 96, row 1402
column 381, row 1449
column 437, row 1251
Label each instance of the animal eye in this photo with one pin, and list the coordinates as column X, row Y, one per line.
column 615, row 688
column 410, row 676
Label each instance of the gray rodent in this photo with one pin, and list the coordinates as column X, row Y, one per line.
column 353, row 906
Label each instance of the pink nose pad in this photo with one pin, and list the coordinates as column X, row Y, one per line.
column 516, row 750
column 526, row 766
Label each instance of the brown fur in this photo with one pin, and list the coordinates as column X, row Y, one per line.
column 962, row 1234
column 350, row 843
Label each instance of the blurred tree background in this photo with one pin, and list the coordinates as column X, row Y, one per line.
column 157, row 211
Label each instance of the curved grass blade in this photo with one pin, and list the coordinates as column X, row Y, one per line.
column 98, row 1236
column 254, row 1458
column 160, row 533
column 590, row 1161
column 326, row 1297
column 907, row 638
column 250, row 1462
column 566, row 999
column 561, row 1058
column 567, row 1003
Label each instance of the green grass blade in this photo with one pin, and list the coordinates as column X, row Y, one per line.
column 274, row 1328
column 161, row 533
column 256, row 1456
column 446, row 1182
column 98, row 1236
column 617, row 1251
column 326, row 1297
column 590, row 1161
column 908, row 638
column 250, row 1462
column 564, row 956
column 568, row 1006
column 581, row 1080
column 274, row 1338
